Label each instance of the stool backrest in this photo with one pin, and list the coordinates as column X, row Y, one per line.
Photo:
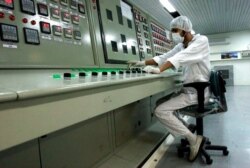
column 218, row 89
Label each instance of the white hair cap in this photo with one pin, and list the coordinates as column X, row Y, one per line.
column 181, row 22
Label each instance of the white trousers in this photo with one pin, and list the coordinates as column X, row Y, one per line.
column 164, row 112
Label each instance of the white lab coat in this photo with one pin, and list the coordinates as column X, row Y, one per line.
column 196, row 68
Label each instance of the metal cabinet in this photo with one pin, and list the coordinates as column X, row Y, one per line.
column 81, row 145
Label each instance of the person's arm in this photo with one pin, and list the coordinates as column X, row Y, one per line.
column 166, row 66
column 150, row 62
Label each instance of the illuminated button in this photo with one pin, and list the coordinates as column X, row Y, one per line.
column 45, row 27
column 82, row 74
column 33, row 22
column 67, row 75
column 75, row 19
column 81, row 8
column 1, row 15
column 57, row 30
column 25, row 20
column 68, row 33
column 7, row 4
column 66, row 16
column 55, row 13
column 94, row 73
column 104, row 73
column 56, row 76
column 12, row 17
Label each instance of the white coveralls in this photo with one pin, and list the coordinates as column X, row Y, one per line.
column 196, row 67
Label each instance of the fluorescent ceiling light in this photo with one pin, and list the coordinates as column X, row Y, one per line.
column 168, row 5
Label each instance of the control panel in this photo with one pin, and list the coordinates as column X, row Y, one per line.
column 45, row 33
column 161, row 43
column 143, row 34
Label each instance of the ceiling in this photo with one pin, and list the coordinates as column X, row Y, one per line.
column 207, row 16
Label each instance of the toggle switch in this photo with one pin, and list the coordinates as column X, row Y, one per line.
column 82, row 74
column 94, row 73
column 104, row 73
column 67, row 75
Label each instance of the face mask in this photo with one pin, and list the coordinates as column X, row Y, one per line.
column 177, row 38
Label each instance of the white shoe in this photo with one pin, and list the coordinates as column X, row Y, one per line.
column 195, row 149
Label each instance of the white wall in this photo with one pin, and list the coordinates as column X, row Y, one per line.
column 234, row 41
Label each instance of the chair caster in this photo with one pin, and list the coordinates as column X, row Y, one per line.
column 184, row 142
column 208, row 142
column 225, row 152
column 209, row 161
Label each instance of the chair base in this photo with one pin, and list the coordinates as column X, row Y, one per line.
column 184, row 149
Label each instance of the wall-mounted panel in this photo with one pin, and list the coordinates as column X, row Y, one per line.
column 118, row 31
column 143, row 34
column 45, row 33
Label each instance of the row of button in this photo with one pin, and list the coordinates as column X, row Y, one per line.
column 83, row 74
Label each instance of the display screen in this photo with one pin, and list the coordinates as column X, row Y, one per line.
column 27, row 6
column 57, row 30
column 45, row 27
column 42, row 9
column 7, row 3
column 8, row 32
column 31, row 36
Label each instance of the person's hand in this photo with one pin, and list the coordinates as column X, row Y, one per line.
column 151, row 69
column 136, row 63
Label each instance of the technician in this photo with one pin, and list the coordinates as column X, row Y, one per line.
column 192, row 53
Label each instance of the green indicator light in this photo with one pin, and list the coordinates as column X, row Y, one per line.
column 56, row 76
column 73, row 75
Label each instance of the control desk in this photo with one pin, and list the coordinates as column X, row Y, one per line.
column 53, row 100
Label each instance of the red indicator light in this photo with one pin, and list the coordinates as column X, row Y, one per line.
column 25, row 20
column 33, row 22
column 12, row 17
column 1, row 15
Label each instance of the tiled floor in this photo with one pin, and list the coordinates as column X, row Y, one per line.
column 231, row 129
